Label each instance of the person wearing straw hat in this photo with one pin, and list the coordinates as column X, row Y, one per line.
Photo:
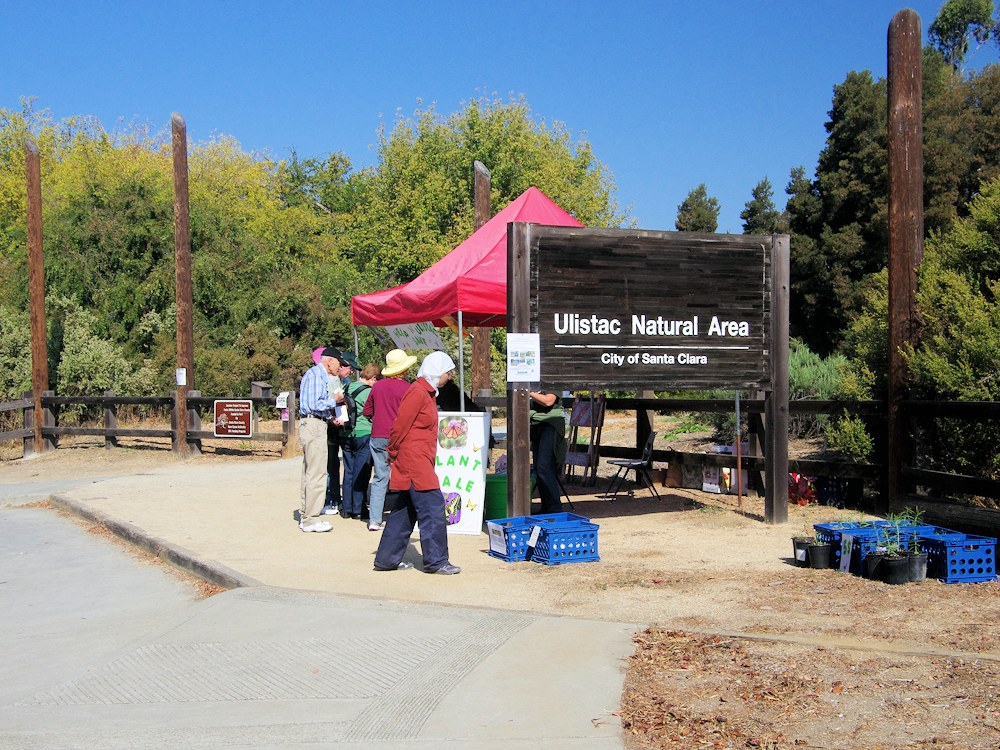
column 413, row 451
column 381, row 407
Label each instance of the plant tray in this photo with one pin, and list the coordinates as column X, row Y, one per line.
column 867, row 537
column 969, row 559
column 566, row 543
column 509, row 538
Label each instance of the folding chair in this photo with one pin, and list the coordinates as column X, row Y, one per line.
column 640, row 466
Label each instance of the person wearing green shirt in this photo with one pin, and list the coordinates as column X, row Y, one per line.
column 548, row 446
column 356, row 451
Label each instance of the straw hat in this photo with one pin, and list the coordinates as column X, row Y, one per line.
column 397, row 361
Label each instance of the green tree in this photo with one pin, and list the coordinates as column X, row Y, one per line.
column 957, row 21
column 760, row 216
column 418, row 202
column 699, row 212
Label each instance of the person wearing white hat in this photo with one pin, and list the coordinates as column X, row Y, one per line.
column 381, row 407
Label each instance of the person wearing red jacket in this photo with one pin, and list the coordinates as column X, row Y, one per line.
column 412, row 453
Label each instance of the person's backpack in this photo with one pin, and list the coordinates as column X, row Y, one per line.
column 351, row 394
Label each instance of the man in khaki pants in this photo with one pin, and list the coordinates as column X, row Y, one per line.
column 316, row 411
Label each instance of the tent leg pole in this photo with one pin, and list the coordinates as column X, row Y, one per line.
column 461, row 365
column 355, row 329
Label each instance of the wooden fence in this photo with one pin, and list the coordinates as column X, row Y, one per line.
column 111, row 432
column 926, row 486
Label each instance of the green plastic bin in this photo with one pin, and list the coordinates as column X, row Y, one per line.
column 495, row 505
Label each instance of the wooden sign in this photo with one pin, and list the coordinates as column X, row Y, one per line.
column 233, row 418
column 630, row 309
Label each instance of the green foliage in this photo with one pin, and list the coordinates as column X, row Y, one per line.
column 760, row 216
column 699, row 212
column 849, row 436
column 956, row 21
column 838, row 220
column 15, row 354
column 90, row 365
column 278, row 249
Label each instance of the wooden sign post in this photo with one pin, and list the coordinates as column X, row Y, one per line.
column 182, row 273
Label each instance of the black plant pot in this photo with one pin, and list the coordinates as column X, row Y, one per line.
column 873, row 565
column 896, row 569
column 819, row 555
column 917, row 566
column 799, row 546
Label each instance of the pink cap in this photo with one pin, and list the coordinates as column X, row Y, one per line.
column 317, row 353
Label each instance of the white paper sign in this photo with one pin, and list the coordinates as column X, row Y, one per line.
column 462, row 451
column 181, row 375
column 415, row 336
column 498, row 540
column 523, row 360
column 281, row 400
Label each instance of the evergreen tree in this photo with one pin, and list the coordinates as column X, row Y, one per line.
column 699, row 212
column 760, row 216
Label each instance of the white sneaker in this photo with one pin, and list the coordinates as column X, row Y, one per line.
column 330, row 510
column 376, row 526
column 316, row 526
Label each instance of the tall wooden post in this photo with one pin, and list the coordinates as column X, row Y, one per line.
column 776, row 400
column 481, row 380
column 906, row 230
column 36, row 286
column 518, row 321
column 182, row 268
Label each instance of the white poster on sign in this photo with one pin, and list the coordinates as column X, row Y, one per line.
column 523, row 361
column 463, row 448
column 415, row 336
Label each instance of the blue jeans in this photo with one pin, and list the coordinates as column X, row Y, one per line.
column 357, row 471
column 425, row 507
column 380, row 477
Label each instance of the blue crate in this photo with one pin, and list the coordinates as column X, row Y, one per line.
column 960, row 558
column 509, row 538
column 565, row 542
column 556, row 519
column 832, row 533
column 868, row 536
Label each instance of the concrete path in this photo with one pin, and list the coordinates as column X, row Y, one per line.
column 105, row 651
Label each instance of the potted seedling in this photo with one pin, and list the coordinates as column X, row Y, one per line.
column 819, row 553
column 916, row 557
column 896, row 566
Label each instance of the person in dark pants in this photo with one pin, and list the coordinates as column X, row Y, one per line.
column 417, row 496
column 339, row 380
column 548, row 446
column 356, row 453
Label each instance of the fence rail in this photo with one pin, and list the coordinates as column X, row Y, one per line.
column 874, row 411
column 111, row 432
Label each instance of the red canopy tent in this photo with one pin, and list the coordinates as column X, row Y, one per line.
column 471, row 279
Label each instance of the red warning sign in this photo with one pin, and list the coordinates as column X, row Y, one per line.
column 234, row 418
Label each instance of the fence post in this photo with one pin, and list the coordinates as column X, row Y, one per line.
column 49, row 418
column 194, row 422
column 289, row 447
column 29, row 424
column 110, row 422
column 258, row 389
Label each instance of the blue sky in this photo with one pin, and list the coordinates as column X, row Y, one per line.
column 670, row 94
